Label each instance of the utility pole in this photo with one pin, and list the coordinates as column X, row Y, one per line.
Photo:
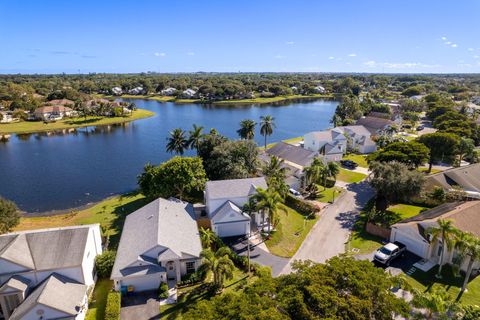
column 248, row 254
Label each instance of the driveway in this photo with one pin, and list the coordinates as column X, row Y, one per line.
column 257, row 254
column 140, row 306
column 329, row 235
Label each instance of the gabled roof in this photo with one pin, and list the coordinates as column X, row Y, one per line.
column 234, row 188
column 291, row 153
column 161, row 223
column 373, row 123
column 467, row 178
column 45, row 249
column 17, row 283
column 57, row 292
column 229, row 208
column 356, row 130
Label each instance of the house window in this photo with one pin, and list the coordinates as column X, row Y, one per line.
column 190, row 266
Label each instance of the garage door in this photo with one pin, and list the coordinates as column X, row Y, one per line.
column 143, row 283
column 412, row 245
column 231, row 229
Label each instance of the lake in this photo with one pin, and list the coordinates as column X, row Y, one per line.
column 43, row 172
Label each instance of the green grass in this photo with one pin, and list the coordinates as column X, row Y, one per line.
column 327, row 194
column 405, row 211
column 40, row 126
column 425, row 170
column 96, row 307
column 350, row 176
column 360, row 159
column 362, row 242
column 290, row 232
column 291, row 141
column 424, row 281
column 110, row 213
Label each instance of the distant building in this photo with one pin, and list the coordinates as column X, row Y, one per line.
column 136, row 91
column 117, row 91
column 168, row 91
column 6, row 117
column 189, row 93
column 375, row 125
column 54, row 112
column 319, row 89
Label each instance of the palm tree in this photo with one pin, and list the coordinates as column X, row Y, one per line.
column 266, row 127
column 445, row 232
column 469, row 246
column 331, row 171
column 314, row 173
column 267, row 202
column 219, row 263
column 195, row 136
column 177, row 142
column 274, row 168
column 435, row 302
column 247, row 129
column 208, row 237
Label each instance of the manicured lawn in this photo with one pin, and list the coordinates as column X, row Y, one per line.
column 39, row 126
column 361, row 242
column 327, row 194
column 360, row 159
column 431, row 172
column 350, row 176
column 405, row 211
column 96, row 307
column 110, row 213
column 423, row 281
column 290, row 232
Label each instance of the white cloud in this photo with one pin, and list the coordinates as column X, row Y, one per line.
column 159, row 54
column 471, row 49
column 398, row 65
column 444, row 38
column 290, row 42
column 279, row 56
column 476, row 57
column 448, row 42
column 352, row 55
column 331, row 58
column 190, row 53
column 454, row 45
column 370, row 63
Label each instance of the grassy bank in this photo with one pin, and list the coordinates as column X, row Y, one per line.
column 40, row 126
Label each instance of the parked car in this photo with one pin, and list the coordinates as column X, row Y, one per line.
column 420, row 128
column 294, row 192
column 349, row 164
column 389, row 252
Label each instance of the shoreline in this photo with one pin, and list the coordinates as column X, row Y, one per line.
column 63, row 125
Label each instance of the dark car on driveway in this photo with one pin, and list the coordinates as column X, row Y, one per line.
column 420, row 128
column 349, row 164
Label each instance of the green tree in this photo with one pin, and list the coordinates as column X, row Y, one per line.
column 219, row 263
column 267, row 202
column 247, row 129
column 276, row 173
column 436, row 302
column 104, row 263
column 445, row 233
column 208, row 237
column 441, row 145
column 177, row 177
column 332, row 169
column 465, row 148
column 469, row 247
column 195, row 136
column 267, row 124
column 177, row 142
column 9, row 215
column 411, row 153
column 412, row 91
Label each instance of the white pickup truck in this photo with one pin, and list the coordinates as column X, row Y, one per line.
column 389, row 252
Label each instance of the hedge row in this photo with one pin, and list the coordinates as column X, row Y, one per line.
column 112, row 309
column 303, row 207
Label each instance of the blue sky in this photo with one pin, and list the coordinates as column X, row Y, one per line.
column 250, row 35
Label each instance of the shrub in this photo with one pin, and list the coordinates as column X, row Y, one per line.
column 261, row 271
column 163, row 291
column 303, row 207
column 192, row 278
column 104, row 263
column 112, row 308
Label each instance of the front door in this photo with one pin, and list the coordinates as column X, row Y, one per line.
column 171, row 270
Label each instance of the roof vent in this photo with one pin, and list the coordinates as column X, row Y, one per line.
column 150, row 217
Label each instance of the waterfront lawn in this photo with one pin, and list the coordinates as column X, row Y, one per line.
column 110, row 213
column 360, row 159
column 424, row 281
column 290, row 232
column 326, row 195
column 96, row 307
column 350, row 176
column 68, row 123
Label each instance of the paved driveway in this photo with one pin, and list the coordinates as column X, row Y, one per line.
column 329, row 235
column 140, row 306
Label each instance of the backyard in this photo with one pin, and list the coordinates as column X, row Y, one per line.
column 290, row 232
column 96, row 307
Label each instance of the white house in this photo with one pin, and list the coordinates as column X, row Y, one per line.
column 46, row 274
column 189, row 93
column 6, row 117
column 56, row 112
column 160, row 242
column 319, row 89
column 136, row 90
column 332, row 144
column 117, row 91
column 168, row 91
column 224, row 200
column 414, row 232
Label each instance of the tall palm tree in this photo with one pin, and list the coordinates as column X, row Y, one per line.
column 436, row 302
column 445, row 232
column 274, row 168
column 195, row 136
column 267, row 125
column 208, row 238
column 219, row 263
column 314, row 173
column 247, row 129
column 267, row 202
column 332, row 169
column 177, row 142
column 468, row 246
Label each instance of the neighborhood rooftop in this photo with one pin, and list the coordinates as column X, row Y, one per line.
column 467, row 178
column 232, row 188
column 291, row 153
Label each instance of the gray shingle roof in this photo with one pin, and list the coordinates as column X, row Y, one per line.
column 17, row 283
column 468, row 178
column 227, row 207
column 45, row 249
column 234, row 188
column 57, row 292
column 166, row 223
column 295, row 154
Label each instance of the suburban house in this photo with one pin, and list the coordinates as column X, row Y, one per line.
column 47, row 274
column 465, row 178
column 6, row 117
column 136, row 91
column 168, row 91
column 413, row 232
column 160, row 242
column 332, row 144
column 117, row 91
column 375, row 125
column 56, row 112
column 224, row 200
column 189, row 93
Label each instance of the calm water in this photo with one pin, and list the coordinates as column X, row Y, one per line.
column 43, row 172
